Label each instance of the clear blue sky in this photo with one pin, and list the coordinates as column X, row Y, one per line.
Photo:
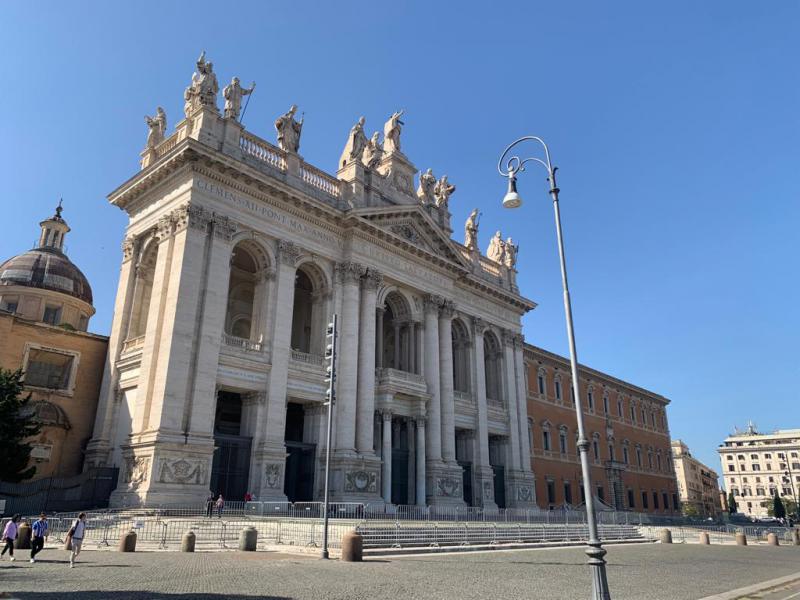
column 674, row 124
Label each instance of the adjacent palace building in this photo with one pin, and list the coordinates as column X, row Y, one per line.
column 236, row 255
column 698, row 485
column 757, row 465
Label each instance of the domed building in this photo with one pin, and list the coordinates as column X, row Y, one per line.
column 45, row 307
column 44, row 285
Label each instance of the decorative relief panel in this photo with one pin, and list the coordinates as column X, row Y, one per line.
column 361, row 481
column 183, row 471
column 449, row 487
column 273, row 475
column 525, row 493
column 136, row 469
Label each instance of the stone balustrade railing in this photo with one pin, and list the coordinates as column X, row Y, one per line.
column 244, row 344
column 133, row 344
column 307, row 358
column 262, row 151
column 386, row 373
column 169, row 143
column 320, row 180
column 462, row 396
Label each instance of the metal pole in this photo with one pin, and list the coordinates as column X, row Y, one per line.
column 331, row 398
column 595, row 549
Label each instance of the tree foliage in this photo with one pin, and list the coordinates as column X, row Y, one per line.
column 17, row 423
column 778, row 510
column 732, row 506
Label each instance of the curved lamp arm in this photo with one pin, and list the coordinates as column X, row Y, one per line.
column 509, row 167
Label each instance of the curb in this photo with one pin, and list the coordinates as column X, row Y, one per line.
column 752, row 589
column 420, row 550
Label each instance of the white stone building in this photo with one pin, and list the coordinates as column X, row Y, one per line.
column 236, row 255
column 756, row 465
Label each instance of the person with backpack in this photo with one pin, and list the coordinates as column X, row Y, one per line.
column 38, row 536
column 9, row 535
column 75, row 535
column 220, row 506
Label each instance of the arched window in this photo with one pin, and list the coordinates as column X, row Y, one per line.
column 596, row 446
column 308, row 310
column 619, row 405
column 398, row 347
column 461, row 345
column 241, row 308
column 143, row 289
column 541, row 382
column 626, row 452
column 493, row 363
column 633, row 412
column 650, row 458
column 605, row 402
column 638, row 455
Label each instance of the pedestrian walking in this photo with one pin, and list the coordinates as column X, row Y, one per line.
column 248, row 497
column 39, row 533
column 9, row 535
column 220, row 506
column 75, row 535
column 210, row 505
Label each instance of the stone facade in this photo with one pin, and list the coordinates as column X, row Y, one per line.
column 627, row 430
column 698, row 485
column 756, row 465
column 237, row 254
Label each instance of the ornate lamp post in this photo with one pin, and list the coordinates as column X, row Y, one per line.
column 509, row 167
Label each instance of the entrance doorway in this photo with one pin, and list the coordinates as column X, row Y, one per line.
column 467, row 482
column 230, row 467
column 298, row 484
column 499, row 486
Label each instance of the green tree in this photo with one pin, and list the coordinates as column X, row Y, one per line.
column 690, row 510
column 17, row 423
column 732, row 506
column 778, row 510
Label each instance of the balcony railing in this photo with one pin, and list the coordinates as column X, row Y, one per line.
column 462, row 396
column 307, row 358
column 243, row 344
column 320, row 180
column 133, row 344
column 386, row 373
column 262, row 151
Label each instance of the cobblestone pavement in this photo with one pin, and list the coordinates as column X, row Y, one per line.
column 646, row 571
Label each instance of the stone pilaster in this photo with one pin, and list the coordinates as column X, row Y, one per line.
column 484, row 475
column 366, row 364
column 446, row 399
column 431, row 335
column 420, row 459
column 386, row 456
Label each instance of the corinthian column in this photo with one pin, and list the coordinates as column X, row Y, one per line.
column 366, row 362
column 419, row 438
column 510, row 385
column 349, row 274
column 434, row 437
column 522, row 401
column 446, row 399
column 479, row 377
column 386, row 470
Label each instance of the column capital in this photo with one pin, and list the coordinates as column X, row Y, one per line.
column 420, row 421
column 288, row 252
column 478, row 325
column 508, row 337
column 431, row 302
column 349, row 272
column 447, row 309
column 224, row 227
column 372, row 279
column 192, row 216
column 386, row 415
column 258, row 398
column 128, row 246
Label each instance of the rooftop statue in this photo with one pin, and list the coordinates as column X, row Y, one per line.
column 356, row 143
column 442, row 191
column 157, row 127
column 497, row 249
column 233, row 97
column 427, row 182
column 203, row 89
column 471, row 231
column 511, row 253
column 289, row 130
column 391, row 133
column 373, row 151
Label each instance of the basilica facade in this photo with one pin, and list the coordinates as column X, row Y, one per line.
column 236, row 255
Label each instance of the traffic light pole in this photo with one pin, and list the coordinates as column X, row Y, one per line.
column 330, row 354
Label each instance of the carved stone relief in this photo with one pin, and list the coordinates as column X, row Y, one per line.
column 361, row 481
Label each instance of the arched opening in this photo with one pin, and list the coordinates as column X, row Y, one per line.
column 492, row 365
column 240, row 315
column 397, row 348
column 142, row 290
column 461, row 370
column 308, row 311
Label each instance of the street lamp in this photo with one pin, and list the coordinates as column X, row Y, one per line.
column 509, row 168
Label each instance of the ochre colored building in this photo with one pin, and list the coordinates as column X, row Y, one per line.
column 45, row 307
column 627, row 429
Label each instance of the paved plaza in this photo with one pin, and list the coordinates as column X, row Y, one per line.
column 676, row 572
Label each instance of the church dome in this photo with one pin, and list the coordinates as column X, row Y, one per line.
column 49, row 269
column 46, row 266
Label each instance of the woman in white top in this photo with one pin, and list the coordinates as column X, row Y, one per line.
column 9, row 535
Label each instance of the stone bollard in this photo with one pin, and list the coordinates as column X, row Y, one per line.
column 23, row 541
column 127, row 543
column 352, row 547
column 704, row 539
column 772, row 539
column 666, row 536
column 796, row 537
column 741, row 538
column 248, row 539
column 187, row 541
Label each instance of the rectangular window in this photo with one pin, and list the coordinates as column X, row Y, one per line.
column 562, row 442
column 567, row 492
column 665, row 498
column 619, row 408
column 769, row 466
column 10, row 304
column 590, row 400
column 48, row 369
column 625, row 457
column 756, row 467
column 655, row 500
column 644, row 500
column 605, row 404
column 52, row 315
column 551, row 492
column 558, row 389
column 730, row 457
column 546, row 441
column 731, row 468
column 540, row 379
column 601, row 493
column 596, row 448
column 633, row 414
column 768, row 456
column 630, row 499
